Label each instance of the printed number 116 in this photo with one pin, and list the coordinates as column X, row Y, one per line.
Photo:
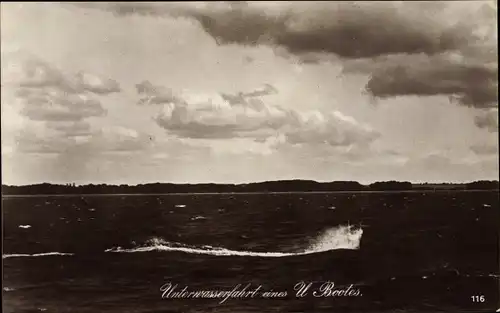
column 478, row 298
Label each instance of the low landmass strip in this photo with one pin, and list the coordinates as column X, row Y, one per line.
column 268, row 186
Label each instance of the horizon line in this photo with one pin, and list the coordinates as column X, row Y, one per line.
column 237, row 193
column 69, row 184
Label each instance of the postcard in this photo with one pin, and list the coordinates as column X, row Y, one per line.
column 238, row 157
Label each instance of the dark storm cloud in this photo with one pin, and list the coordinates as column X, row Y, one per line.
column 370, row 32
column 348, row 29
column 471, row 83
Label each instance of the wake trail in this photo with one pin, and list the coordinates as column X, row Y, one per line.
column 341, row 237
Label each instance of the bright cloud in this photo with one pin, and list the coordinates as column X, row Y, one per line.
column 246, row 115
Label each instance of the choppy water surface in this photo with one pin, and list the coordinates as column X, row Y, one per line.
column 405, row 252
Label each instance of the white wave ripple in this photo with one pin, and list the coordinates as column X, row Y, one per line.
column 20, row 255
column 341, row 237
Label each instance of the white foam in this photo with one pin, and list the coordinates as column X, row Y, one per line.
column 342, row 237
column 180, row 205
column 25, row 226
column 20, row 255
column 198, row 217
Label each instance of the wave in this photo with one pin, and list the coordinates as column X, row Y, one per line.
column 341, row 237
column 20, row 255
column 198, row 217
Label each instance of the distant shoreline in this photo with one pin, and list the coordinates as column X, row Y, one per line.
column 268, row 187
column 245, row 193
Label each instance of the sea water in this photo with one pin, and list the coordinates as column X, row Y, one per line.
column 375, row 252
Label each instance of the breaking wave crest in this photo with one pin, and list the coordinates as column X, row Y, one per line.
column 341, row 237
column 20, row 255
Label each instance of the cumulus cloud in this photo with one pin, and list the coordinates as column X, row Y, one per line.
column 28, row 71
column 95, row 84
column 332, row 128
column 488, row 120
column 412, row 48
column 71, row 128
column 241, row 97
column 210, row 116
column 485, row 149
column 65, row 138
column 217, row 116
column 155, row 94
column 50, row 109
column 50, row 104
column 44, row 93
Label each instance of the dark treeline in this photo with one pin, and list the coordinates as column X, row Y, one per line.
column 272, row 186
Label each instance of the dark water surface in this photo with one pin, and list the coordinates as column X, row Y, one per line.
column 404, row 252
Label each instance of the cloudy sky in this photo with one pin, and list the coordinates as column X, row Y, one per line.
column 241, row 92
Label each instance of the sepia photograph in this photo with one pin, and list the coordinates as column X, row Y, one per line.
column 250, row 157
